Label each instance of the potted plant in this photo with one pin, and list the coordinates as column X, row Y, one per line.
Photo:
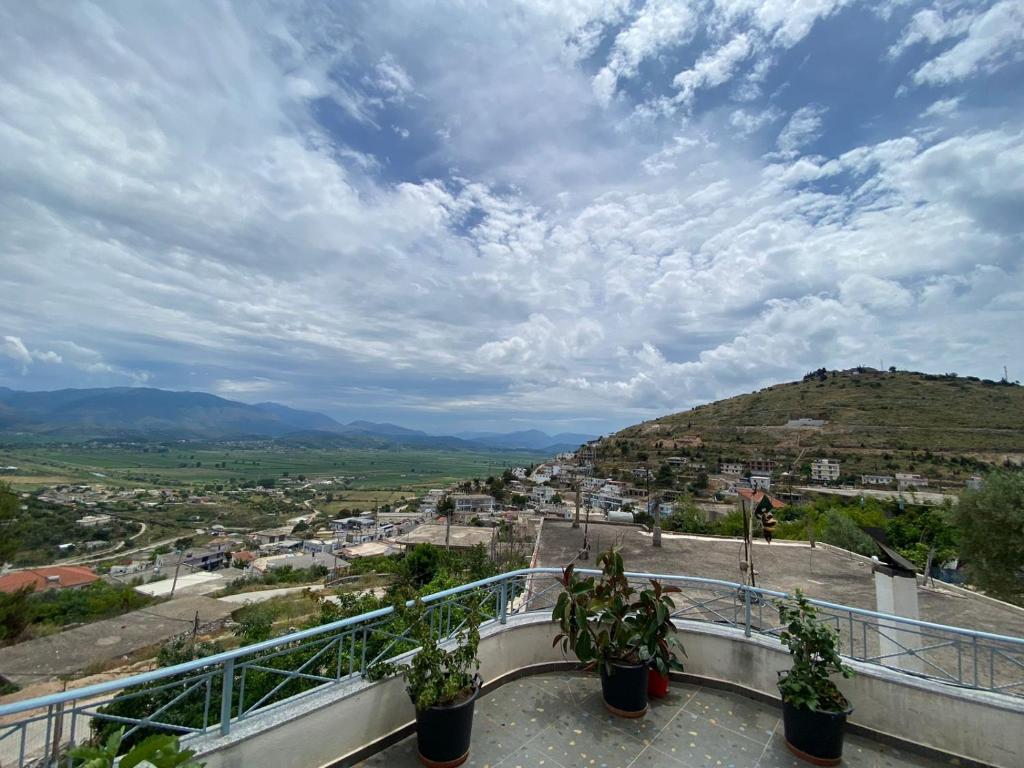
column 814, row 711
column 604, row 623
column 659, row 643
column 159, row 750
column 442, row 683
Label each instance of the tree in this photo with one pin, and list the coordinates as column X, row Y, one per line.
column 991, row 525
column 8, row 510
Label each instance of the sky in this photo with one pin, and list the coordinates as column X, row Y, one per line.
column 549, row 214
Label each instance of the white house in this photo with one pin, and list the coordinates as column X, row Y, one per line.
column 825, row 470
column 907, row 480
column 876, row 479
column 761, row 482
column 731, row 468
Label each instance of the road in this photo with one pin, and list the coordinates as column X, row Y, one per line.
column 912, row 497
column 107, row 553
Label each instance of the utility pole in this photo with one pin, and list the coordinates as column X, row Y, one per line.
column 576, row 521
column 656, row 537
column 177, row 567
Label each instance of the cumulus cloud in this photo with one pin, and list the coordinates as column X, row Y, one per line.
column 994, row 38
column 527, row 252
column 803, row 127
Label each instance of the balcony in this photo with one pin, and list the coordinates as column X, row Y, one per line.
column 558, row 720
column 304, row 700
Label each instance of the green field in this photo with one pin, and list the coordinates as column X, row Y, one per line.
column 192, row 465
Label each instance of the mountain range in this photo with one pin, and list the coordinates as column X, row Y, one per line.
column 147, row 413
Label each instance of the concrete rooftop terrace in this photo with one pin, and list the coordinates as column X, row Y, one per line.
column 824, row 573
column 558, row 720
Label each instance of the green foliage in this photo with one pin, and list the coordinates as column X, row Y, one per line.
column 15, row 613
column 156, row 751
column 436, row 676
column 255, row 623
column 604, row 620
column 991, row 524
column 8, row 510
column 420, row 564
column 839, row 530
column 813, row 646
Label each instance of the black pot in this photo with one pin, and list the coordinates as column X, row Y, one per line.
column 624, row 688
column 813, row 735
column 443, row 732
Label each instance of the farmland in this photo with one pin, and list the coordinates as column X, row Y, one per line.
column 191, row 465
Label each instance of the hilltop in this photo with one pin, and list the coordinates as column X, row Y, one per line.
column 945, row 426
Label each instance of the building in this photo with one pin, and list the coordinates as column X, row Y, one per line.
column 94, row 521
column 298, row 562
column 44, row 579
column 876, row 479
column 542, row 494
column 761, row 482
column 761, row 466
column 458, row 537
column 751, row 497
column 642, row 473
column 677, row 461
column 906, row 481
column 272, row 535
column 825, row 470
column 198, row 558
column 731, row 468
column 472, row 503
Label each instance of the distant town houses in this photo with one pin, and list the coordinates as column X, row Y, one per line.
column 761, row 482
column 825, row 470
column 47, row 578
column 876, row 479
column 472, row 503
column 906, row 481
column 94, row 521
column 731, row 468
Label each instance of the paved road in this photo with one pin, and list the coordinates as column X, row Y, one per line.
column 243, row 598
column 913, row 497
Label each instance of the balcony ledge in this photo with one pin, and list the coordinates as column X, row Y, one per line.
column 344, row 723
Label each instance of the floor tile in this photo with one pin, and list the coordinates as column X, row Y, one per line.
column 698, row 743
column 735, row 712
column 581, row 741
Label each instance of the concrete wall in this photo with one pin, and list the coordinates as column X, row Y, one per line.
column 324, row 728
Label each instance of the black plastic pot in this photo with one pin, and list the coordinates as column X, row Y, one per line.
column 625, row 689
column 443, row 733
column 814, row 736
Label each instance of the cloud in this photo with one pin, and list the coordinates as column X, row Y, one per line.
column 253, row 218
column 804, row 127
column 713, row 68
column 994, row 39
column 14, row 349
column 942, row 107
column 658, row 25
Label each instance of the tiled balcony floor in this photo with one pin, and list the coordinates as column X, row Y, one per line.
column 559, row 721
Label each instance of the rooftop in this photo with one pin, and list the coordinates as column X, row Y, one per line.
column 53, row 577
column 559, row 720
column 460, row 536
column 824, row 573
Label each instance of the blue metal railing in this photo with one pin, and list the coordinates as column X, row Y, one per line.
column 211, row 694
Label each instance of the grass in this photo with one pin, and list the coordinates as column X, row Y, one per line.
column 171, row 464
column 942, row 426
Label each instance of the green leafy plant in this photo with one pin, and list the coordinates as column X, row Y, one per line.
column 657, row 632
column 813, row 645
column 436, row 676
column 158, row 751
column 605, row 620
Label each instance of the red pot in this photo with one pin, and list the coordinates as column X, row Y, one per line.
column 657, row 684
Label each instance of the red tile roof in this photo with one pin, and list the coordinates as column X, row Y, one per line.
column 244, row 556
column 756, row 496
column 40, row 579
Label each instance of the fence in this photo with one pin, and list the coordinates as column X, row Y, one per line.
column 213, row 693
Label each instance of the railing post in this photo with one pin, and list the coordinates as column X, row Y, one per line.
column 503, row 603
column 746, row 611
column 226, row 688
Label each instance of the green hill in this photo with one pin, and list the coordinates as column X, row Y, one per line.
column 942, row 426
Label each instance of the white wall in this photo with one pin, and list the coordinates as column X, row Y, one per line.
column 323, row 728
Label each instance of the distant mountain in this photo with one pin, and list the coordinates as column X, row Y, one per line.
column 142, row 411
column 373, row 428
column 147, row 413
column 301, row 419
column 531, row 439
